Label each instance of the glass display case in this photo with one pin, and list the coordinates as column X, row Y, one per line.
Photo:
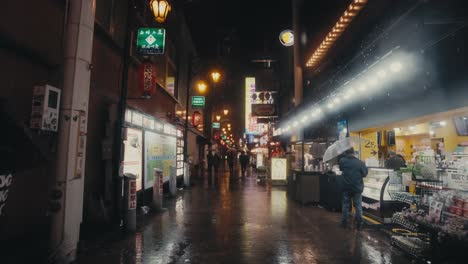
column 296, row 157
column 307, row 156
column 376, row 200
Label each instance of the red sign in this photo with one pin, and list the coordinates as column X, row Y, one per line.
column 147, row 78
column 132, row 202
column 196, row 118
column 216, row 136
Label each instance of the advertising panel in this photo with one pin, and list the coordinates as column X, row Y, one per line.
column 160, row 153
column 251, row 125
column 133, row 155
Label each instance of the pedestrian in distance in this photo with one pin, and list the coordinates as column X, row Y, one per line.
column 210, row 160
column 230, row 160
column 244, row 161
column 216, row 161
column 353, row 172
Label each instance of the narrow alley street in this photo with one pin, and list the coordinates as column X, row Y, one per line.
column 241, row 221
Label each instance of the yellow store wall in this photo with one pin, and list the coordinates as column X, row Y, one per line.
column 451, row 138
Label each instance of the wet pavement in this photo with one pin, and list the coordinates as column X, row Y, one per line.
column 241, row 221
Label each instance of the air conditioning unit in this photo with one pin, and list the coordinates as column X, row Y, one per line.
column 45, row 108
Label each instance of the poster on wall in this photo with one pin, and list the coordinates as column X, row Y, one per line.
column 133, row 156
column 160, row 152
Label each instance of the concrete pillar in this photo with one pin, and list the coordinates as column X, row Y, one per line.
column 71, row 156
column 298, row 87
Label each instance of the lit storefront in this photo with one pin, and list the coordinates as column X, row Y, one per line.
column 402, row 93
column 151, row 143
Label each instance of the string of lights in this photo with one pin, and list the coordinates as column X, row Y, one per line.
column 353, row 9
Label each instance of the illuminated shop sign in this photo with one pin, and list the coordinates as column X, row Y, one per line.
column 151, row 41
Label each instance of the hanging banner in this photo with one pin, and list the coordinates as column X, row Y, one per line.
column 196, row 119
column 147, row 78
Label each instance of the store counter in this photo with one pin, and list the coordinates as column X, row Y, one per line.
column 304, row 186
column 331, row 186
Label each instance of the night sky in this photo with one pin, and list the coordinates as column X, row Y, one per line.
column 257, row 23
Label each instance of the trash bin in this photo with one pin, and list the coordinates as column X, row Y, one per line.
column 158, row 182
column 129, row 202
column 173, row 181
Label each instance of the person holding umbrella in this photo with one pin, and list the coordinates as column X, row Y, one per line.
column 353, row 172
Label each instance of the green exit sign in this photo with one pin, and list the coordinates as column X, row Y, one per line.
column 150, row 41
column 198, row 101
column 216, row 125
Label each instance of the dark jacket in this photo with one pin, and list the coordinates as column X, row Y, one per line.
column 353, row 171
column 244, row 160
column 230, row 158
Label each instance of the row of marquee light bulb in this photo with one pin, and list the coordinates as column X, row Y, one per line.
column 352, row 10
column 370, row 81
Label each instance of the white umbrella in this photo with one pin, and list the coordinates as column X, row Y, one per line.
column 339, row 147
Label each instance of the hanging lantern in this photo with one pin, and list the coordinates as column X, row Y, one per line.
column 147, row 78
column 160, row 9
column 196, row 118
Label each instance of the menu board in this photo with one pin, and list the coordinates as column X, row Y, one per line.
column 279, row 169
column 160, row 152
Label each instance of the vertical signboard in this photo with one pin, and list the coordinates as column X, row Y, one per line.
column 133, row 162
column 132, row 202
column 160, row 153
column 250, row 122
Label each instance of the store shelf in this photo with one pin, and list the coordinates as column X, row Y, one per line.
column 399, row 219
column 406, row 197
column 411, row 245
column 455, row 216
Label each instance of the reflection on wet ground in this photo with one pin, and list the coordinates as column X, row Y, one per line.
column 239, row 221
